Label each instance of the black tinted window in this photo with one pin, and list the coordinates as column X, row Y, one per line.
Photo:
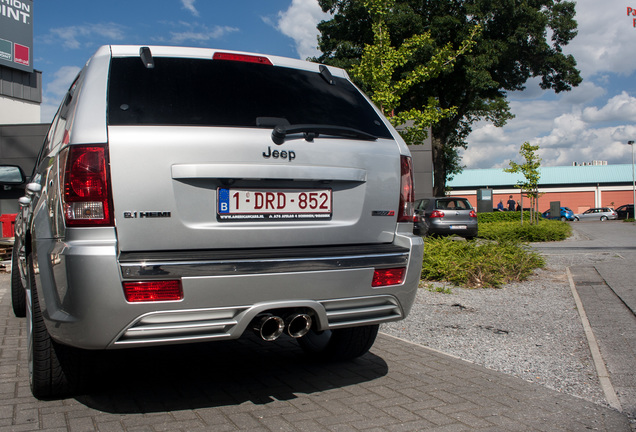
column 228, row 93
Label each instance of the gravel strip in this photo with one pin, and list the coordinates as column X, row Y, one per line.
column 531, row 329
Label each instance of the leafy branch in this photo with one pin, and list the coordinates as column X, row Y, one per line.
column 380, row 61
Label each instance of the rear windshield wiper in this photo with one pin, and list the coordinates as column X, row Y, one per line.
column 311, row 131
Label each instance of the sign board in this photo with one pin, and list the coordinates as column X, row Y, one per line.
column 555, row 209
column 484, row 200
column 16, row 34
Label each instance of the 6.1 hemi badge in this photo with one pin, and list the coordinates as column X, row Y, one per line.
column 383, row 213
column 146, row 214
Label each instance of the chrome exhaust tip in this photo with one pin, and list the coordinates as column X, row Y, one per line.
column 268, row 327
column 298, row 325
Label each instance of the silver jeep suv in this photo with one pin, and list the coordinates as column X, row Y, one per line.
column 190, row 195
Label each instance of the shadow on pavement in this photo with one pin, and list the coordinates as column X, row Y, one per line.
column 160, row 379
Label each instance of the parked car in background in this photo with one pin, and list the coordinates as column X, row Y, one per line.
column 445, row 216
column 598, row 213
column 625, row 211
column 189, row 195
column 566, row 214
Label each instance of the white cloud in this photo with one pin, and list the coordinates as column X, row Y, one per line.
column 201, row 34
column 565, row 133
column 586, row 92
column 619, row 108
column 299, row 22
column 189, row 5
column 605, row 38
column 55, row 90
column 75, row 37
column 593, row 121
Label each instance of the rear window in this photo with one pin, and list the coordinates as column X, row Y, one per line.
column 458, row 204
column 204, row 92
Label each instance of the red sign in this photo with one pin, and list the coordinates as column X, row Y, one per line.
column 21, row 54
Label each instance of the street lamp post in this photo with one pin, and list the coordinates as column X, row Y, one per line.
column 631, row 143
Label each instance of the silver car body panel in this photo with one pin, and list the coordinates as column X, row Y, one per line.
column 230, row 271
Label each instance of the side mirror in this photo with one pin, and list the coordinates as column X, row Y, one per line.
column 24, row 201
column 11, row 175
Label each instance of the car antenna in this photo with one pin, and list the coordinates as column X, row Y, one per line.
column 146, row 57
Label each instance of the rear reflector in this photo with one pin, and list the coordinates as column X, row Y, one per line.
column 385, row 277
column 151, row 291
column 241, row 58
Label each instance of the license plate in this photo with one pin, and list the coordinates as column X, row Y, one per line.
column 458, row 227
column 235, row 204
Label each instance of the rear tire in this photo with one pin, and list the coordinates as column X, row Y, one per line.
column 54, row 369
column 603, row 218
column 18, row 293
column 339, row 344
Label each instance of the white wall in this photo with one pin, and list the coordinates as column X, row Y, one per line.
column 13, row 111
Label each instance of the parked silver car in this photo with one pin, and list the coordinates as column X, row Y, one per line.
column 598, row 213
column 445, row 216
column 186, row 195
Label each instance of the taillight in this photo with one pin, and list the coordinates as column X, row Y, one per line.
column 385, row 277
column 150, row 291
column 407, row 195
column 437, row 214
column 245, row 58
column 86, row 194
column 472, row 214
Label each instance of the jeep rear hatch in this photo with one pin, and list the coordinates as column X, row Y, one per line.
column 195, row 165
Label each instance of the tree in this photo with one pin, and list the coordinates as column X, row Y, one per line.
column 520, row 39
column 380, row 60
column 530, row 171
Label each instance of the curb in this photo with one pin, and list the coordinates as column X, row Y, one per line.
column 599, row 363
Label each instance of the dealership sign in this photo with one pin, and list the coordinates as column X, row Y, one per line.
column 16, row 34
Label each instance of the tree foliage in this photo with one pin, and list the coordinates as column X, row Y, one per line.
column 530, row 171
column 380, row 60
column 519, row 40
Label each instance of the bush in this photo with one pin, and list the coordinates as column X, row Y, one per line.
column 477, row 264
column 545, row 230
column 499, row 216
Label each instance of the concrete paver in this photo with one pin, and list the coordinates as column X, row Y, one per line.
column 253, row 385
column 605, row 281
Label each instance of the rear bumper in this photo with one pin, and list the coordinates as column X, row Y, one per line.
column 223, row 291
column 446, row 228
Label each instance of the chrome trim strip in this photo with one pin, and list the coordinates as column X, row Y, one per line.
column 266, row 171
column 175, row 269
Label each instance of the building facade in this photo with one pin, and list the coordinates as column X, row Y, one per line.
column 577, row 187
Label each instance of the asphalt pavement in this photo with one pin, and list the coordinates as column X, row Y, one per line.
column 603, row 255
column 253, row 385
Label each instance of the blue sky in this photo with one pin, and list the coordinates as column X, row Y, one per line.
column 592, row 122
